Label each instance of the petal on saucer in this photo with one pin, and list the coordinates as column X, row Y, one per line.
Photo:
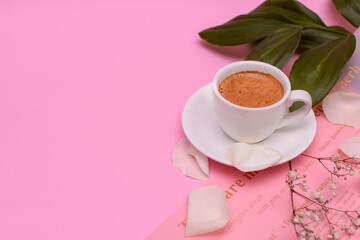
column 190, row 161
column 343, row 108
column 351, row 147
column 207, row 210
column 249, row 157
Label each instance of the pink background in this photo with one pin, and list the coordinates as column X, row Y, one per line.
column 91, row 96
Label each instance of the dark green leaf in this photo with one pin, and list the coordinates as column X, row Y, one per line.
column 264, row 16
column 277, row 48
column 244, row 29
column 318, row 69
column 350, row 9
column 311, row 38
column 338, row 29
column 292, row 10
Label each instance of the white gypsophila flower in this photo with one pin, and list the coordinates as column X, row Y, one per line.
column 310, row 228
column 307, row 214
column 316, row 218
column 338, row 166
column 333, row 194
column 322, row 199
column 332, row 185
column 357, row 222
column 348, row 167
column 292, row 175
column 351, row 172
column 336, row 235
column 316, row 195
column 335, row 156
column 297, row 219
column 304, row 187
column 351, row 230
column 330, row 236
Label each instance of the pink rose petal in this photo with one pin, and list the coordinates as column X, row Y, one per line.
column 207, row 210
column 351, row 147
column 190, row 161
column 343, row 108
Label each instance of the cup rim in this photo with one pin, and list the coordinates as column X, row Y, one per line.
column 287, row 88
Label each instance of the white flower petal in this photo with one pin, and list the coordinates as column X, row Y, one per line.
column 207, row 210
column 248, row 157
column 351, row 147
column 343, row 108
column 201, row 159
column 187, row 163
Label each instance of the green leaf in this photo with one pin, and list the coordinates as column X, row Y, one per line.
column 318, row 69
column 277, row 48
column 243, row 29
column 311, row 38
column 290, row 9
column 264, row 16
column 350, row 9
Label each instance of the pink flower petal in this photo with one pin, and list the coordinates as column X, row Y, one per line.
column 190, row 161
column 343, row 108
column 207, row 210
column 351, row 147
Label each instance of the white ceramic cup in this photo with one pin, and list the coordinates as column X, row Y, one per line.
column 253, row 125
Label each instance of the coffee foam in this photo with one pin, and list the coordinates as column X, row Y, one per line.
column 251, row 89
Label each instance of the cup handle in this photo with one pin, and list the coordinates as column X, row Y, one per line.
column 297, row 96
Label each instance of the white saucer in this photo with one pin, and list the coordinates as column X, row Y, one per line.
column 201, row 128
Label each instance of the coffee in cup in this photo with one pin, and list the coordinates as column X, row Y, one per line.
column 251, row 89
